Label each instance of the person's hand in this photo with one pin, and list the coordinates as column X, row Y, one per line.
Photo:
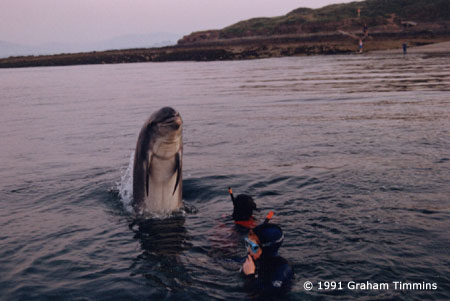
column 249, row 266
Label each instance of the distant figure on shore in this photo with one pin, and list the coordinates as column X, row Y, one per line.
column 405, row 48
column 360, row 46
column 366, row 30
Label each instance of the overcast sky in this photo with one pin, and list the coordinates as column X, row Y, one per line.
column 82, row 21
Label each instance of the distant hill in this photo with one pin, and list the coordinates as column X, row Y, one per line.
column 8, row 49
column 381, row 15
column 159, row 39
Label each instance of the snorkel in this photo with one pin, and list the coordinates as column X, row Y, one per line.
column 268, row 217
column 230, row 191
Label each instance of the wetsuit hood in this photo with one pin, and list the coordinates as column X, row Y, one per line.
column 270, row 237
column 243, row 207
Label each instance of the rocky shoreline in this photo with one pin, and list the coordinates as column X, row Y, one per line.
column 241, row 48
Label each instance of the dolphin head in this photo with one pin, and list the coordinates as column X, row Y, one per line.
column 167, row 122
column 165, row 131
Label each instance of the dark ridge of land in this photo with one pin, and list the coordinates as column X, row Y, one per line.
column 376, row 15
column 334, row 29
column 236, row 49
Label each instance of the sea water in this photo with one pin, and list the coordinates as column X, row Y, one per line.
column 352, row 153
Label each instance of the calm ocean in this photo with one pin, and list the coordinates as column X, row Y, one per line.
column 351, row 152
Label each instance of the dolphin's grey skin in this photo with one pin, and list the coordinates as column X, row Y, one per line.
column 157, row 171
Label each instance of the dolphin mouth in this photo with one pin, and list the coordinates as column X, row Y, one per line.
column 174, row 121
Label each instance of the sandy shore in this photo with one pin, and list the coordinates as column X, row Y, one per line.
column 435, row 48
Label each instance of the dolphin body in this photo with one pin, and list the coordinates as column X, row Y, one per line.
column 157, row 170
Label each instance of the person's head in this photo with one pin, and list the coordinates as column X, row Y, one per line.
column 243, row 207
column 264, row 240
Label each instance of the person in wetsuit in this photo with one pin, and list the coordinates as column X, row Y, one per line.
column 243, row 206
column 266, row 273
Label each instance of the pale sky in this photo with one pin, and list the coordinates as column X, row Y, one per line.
column 81, row 21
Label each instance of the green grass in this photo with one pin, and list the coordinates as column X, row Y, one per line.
column 373, row 12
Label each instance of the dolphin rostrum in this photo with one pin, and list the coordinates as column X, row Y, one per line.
column 157, row 171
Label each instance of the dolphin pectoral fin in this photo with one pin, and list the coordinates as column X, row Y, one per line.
column 147, row 175
column 177, row 170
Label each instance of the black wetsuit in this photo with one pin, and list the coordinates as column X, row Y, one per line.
column 273, row 276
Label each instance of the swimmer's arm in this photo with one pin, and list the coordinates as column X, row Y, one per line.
column 252, row 281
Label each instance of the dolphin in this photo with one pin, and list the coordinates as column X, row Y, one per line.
column 157, row 169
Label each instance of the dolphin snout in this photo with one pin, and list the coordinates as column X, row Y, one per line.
column 177, row 124
column 177, row 120
column 174, row 122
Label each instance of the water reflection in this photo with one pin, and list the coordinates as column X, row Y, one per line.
column 161, row 236
column 162, row 242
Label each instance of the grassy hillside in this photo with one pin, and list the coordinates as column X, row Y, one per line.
column 373, row 13
column 420, row 10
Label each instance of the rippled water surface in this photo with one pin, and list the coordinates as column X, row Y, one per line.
column 351, row 152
